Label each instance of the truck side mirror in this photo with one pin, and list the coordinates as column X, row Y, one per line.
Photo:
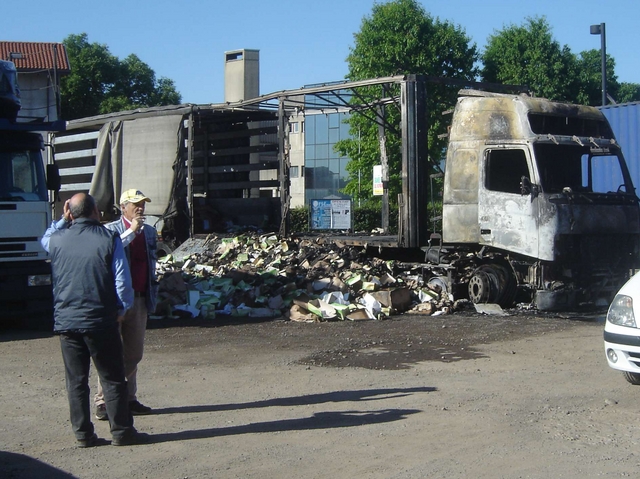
column 53, row 177
column 528, row 188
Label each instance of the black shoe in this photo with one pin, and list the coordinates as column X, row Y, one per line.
column 89, row 442
column 131, row 439
column 101, row 412
column 138, row 409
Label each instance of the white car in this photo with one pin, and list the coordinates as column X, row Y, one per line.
column 622, row 331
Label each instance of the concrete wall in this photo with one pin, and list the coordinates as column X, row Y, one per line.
column 37, row 96
column 296, row 158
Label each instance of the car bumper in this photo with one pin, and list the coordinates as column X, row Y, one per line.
column 622, row 349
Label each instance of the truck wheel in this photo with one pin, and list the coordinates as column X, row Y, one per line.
column 493, row 283
column 482, row 286
column 633, row 378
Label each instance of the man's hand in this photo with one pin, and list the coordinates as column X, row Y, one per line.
column 66, row 212
column 120, row 319
column 136, row 223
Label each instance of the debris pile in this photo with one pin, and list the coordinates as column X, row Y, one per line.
column 264, row 276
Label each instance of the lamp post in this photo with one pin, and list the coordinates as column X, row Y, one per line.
column 599, row 30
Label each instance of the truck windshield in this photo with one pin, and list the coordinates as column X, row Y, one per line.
column 581, row 168
column 22, row 176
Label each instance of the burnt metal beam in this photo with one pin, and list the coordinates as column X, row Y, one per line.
column 415, row 163
column 242, row 185
column 243, row 150
column 262, row 166
column 285, row 164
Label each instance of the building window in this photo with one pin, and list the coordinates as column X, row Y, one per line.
column 294, row 172
column 294, row 127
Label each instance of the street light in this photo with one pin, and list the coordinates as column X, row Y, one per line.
column 599, row 30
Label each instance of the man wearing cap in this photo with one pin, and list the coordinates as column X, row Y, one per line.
column 139, row 240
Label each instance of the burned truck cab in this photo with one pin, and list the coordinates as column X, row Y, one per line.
column 540, row 195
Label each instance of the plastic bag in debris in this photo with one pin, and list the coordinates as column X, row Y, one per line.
column 335, row 297
column 371, row 305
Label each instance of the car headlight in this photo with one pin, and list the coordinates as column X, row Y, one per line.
column 621, row 311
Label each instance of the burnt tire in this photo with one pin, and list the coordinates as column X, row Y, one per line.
column 493, row 283
column 162, row 250
column 633, row 378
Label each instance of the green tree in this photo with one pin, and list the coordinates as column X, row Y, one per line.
column 528, row 55
column 628, row 92
column 590, row 77
column 100, row 83
column 400, row 37
column 165, row 93
column 93, row 70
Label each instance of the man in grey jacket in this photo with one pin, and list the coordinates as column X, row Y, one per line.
column 140, row 243
column 91, row 290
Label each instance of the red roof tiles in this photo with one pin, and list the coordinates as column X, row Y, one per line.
column 36, row 56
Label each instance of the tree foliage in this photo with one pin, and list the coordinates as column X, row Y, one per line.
column 528, row 55
column 590, row 65
column 628, row 92
column 590, row 77
column 101, row 83
column 400, row 37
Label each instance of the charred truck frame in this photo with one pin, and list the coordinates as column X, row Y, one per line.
column 525, row 208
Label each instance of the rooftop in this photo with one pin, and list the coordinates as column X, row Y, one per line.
column 34, row 56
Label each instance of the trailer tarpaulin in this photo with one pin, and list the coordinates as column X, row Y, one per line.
column 107, row 178
column 137, row 154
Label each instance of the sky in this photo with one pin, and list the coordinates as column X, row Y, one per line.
column 301, row 42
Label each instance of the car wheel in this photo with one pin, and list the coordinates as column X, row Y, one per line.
column 633, row 378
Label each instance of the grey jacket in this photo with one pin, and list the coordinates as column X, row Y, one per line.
column 84, row 285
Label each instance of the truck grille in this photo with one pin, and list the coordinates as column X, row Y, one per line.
column 599, row 252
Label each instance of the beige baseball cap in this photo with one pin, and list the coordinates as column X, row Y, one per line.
column 133, row 196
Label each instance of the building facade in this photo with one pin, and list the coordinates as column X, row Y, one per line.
column 40, row 67
column 315, row 125
column 317, row 170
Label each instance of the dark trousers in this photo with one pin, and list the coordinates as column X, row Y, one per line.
column 105, row 348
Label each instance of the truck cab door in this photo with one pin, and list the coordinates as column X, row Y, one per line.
column 507, row 202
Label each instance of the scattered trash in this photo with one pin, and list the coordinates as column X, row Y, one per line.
column 490, row 308
column 300, row 279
